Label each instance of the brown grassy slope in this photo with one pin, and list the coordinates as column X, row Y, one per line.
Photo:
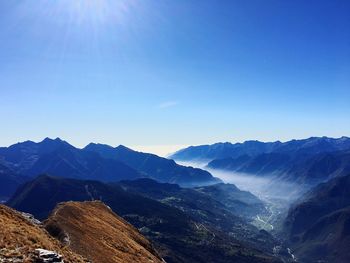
column 19, row 238
column 98, row 234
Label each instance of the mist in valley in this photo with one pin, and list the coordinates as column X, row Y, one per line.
column 277, row 194
column 266, row 187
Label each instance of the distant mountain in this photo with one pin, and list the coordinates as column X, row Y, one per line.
column 158, row 168
column 207, row 153
column 92, row 230
column 9, row 182
column 302, row 168
column 97, row 162
column 175, row 233
column 59, row 158
column 308, row 161
column 265, row 163
column 20, row 238
column 318, row 225
column 22, row 156
column 311, row 146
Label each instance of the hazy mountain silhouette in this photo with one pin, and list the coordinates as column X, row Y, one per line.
column 313, row 145
column 309, row 161
column 155, row 167
column 318, row 225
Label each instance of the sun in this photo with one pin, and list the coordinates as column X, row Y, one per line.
column 96, row 11
column 80, row 12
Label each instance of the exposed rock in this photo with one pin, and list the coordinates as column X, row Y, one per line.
column 31, row 218
column 47, row 256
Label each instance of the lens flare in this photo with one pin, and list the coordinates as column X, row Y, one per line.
column 80, row 12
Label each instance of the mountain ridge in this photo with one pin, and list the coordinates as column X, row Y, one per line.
column 59, row 158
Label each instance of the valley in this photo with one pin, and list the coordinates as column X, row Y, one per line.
column 277, row 195
column 180, row 206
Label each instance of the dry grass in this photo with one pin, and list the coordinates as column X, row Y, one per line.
column 19, row 238
column 99, row 234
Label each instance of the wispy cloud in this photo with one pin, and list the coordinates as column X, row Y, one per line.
column 168, row 104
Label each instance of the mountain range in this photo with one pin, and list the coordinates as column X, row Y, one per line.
column 311, row 145
column 308, row 161
column 57, row 157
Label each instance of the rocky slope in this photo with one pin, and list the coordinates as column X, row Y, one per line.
column 94, row 231
column 21, row 240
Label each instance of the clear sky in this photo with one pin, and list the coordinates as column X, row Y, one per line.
column 168, row 73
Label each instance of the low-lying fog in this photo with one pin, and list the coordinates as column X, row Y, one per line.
column 265, row 187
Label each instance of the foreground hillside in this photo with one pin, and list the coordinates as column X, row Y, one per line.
column 176, row 233
column 318, row 226
column 75, row 232
column 19, row 239
column 94, row 231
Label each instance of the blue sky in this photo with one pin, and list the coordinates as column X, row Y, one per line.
column 170, row 73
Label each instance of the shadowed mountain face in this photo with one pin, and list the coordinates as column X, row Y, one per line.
column 155, row 167
column 175, row 233
column 318, row 226
column 9, row 182
column 213, row 201
column 308, row 161
column 91, row 229
column 243, row 203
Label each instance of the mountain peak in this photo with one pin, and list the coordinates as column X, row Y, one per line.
column 93, row 145
column 123, row 148
column 48, row 139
